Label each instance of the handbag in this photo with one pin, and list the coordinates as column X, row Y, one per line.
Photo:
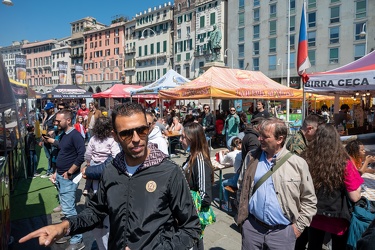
column 206, row 214
column 363, row 213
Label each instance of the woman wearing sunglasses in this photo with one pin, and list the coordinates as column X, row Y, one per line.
column 198, row 168
column 231, row 125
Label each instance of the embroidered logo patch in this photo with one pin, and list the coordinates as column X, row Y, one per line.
column 151, row 186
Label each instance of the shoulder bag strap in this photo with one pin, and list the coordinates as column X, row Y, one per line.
column 271, row 171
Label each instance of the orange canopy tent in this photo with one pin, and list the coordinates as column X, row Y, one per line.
column 227, row 83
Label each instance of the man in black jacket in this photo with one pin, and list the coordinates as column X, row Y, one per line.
column 145, row 195
column 250, row 141
column 208, row 122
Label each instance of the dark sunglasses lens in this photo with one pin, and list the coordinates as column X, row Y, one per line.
column 128, row 134
column 142, row 131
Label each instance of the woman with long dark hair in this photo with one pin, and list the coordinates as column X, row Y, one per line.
column 198, row 168
column 357, row 153
column 335, row 179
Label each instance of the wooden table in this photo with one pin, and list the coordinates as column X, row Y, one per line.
column 218, row 166
column 173, row 136
column 369, row 191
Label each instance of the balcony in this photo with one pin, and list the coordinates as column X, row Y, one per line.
column 129, row 50
column 131, row 68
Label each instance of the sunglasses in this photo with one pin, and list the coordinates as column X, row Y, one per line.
column 232, row 110
column 127, row 135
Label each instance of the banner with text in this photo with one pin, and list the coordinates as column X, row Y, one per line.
column 341, row 82
column 63, row 66
column 79, row 74
column 20, row 67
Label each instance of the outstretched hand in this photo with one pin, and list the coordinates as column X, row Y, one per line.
column 48, row 235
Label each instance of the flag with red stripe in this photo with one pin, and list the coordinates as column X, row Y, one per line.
column 303, row 61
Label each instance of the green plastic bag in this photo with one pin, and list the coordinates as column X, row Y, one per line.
column 206, row 215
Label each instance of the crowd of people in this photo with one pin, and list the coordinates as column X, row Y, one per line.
column 140, row 199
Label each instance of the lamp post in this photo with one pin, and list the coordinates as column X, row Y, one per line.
column 156, row 54
column 73, row 74
column 282, row 68
column 8, row 2
column 226, row 55
column 364, row 34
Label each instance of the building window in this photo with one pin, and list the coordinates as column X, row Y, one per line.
column 292, row 42
column 241, row 4
column 241, row 19
column 158, row 47
column 359, row 51
column 272, row 45
column 358, row 29
column 292, row 6
column 335, row 1
column 241, row 51
column 311, row 55
column 201, row 22
column 256, row 15
column 164, row 46
column 360, row 9
column 212, row 18
column 335, row 14
column 241, row 64
column 311, row 19
column 292, row 60
column 272, row 10
column 272, row 28
column 145, row 50
column 241, row 34
column 256, row 29
column 311, row 38
column 256, row 3
column 140, row 51
column 255, row 64
column 151, row 49
column 256, row 48
column 292, row 23
column 334, row 55
column 179, row 34
column 271, row 62
column 334, row 34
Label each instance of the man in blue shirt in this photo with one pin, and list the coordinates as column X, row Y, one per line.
column 68, row 163
column 274, row 216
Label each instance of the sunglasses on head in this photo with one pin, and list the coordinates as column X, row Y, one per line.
column 127, row 134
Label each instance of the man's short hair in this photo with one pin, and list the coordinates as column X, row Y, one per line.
column 312, row 119
column 68, row 114
column 280, row 127
column 65, row 105
column 126, row 109
column 345, row 106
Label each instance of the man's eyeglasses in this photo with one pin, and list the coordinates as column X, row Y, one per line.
column 206, row 108
column 127, row 135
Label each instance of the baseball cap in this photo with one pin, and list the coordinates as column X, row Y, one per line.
column 49, row 105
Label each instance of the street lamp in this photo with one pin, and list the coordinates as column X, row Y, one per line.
column 73, row 73
column 363, row 34
column 8, row 2
column 282, row 68
column 226, row 55
column 156, row 54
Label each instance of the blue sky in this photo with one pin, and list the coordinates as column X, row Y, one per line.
column 38, row 20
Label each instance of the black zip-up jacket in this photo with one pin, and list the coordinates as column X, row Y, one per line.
column 250, row 142
column 152, row 209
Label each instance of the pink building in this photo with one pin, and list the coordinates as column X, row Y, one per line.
column 39, row 63
column 104, row 55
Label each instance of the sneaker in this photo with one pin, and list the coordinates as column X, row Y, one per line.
column 76, row 246
column 225, row 208
column 63, row 240
column 57, row 209
column 45, row 176
column 36, row 175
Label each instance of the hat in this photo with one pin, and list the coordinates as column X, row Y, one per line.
column 257, row 120
column 49, row 105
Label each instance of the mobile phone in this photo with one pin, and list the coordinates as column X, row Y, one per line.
column 44, row 135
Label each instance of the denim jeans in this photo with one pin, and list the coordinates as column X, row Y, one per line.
column 67, row 196
column 33, row 162
column 229, row 182
column 48, row 155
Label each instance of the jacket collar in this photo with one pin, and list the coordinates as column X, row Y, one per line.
column 154, row 158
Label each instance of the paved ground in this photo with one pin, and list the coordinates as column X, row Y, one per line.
column 221, row 235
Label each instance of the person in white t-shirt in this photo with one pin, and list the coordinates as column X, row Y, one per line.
column 233, row 158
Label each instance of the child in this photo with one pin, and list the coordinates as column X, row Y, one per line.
column 79, row 126
column 30, row 146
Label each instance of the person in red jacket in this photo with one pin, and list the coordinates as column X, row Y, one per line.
column 80, row 127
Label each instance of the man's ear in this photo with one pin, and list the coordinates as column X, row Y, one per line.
column 115, row 137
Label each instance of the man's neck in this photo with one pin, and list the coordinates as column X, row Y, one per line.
column 271, row 154
column 68, row 128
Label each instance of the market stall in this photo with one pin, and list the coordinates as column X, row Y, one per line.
column 224, row 83
column 68, row 92
column 355, row 80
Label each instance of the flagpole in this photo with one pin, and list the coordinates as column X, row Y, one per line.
column 288, row 66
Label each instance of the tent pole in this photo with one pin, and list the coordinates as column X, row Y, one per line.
column 304, row 101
